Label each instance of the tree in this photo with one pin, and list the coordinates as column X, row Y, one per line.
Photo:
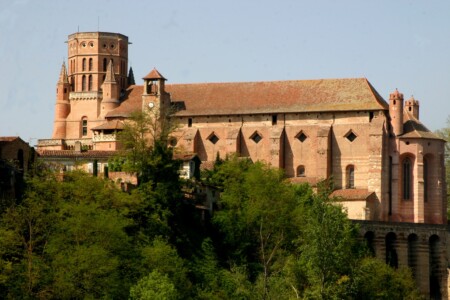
column 257, row 209
column 329, row 248
column 155, row 286
column 67, row 240
column 445, row 134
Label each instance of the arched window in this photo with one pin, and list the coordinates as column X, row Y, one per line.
column 83, row 83
column 350, row 177
column 83, row 65
column 90, row 83
column 84, row 126
column 301, row 171
column 90, row 64
column 406, row 179
column 105, row 62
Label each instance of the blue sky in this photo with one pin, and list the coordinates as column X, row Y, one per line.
column 394, row 44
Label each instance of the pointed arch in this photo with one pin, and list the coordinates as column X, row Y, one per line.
column 83, row 83
column 90, row 83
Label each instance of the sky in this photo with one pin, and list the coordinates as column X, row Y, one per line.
column 400, row 44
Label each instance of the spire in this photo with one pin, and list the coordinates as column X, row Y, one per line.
column 131, row 77
column 63, row 78
column 110, row 77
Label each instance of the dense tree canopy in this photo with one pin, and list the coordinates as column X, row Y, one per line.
column 81, row 237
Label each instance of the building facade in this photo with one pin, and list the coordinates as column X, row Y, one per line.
column 386, row 166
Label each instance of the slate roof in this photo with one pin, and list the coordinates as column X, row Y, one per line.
column 200, row 99
column 413, row 128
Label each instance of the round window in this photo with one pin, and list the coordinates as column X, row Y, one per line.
column 112, row 46
column 91, row 44
column 83, row 44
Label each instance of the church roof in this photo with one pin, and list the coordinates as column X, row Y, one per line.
column 154, row 74
column 75, row 154
column 352, row 194
column 276, row 97
column 199, row 99
column 110, row 125
column 132, row 102
column 413, row 128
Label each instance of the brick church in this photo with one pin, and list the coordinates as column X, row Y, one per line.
column 387, row 167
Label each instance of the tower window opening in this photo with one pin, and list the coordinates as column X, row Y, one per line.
column 90, row 83
column 90, row 64
column 190, row 122
column 105, row 62
column 83, row 64
column 83, row 83
column 84, row 126
column 350, row 173
column 274, row 119
column 406, row 182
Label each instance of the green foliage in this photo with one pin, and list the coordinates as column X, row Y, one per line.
column 84, row 238
column 329, row 248
column 445, row 134
column 374, row 279
column 155, row 286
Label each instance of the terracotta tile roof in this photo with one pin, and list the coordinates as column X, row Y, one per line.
column 263, row 97
column 299, row 180
column 352, row 194
column 8, row 138
column 131, row 103
column 75, row 154
column 154, row 74
column 276, row 96
column 184, row 156
column 413, row 128
column 110, row 125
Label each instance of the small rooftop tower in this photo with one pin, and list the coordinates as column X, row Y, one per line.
column 62, row 107
column 396, row 112
column 412, row 107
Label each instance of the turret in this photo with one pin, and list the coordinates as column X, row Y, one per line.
column 154, row 94
column 110, row 90
column 62, row 107
column 396, row 112
column 154, row 83
column 412, row 107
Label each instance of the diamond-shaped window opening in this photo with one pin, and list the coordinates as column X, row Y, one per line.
column 351, row 136
column 256, row 137
column 213, row 138
column 301, row 136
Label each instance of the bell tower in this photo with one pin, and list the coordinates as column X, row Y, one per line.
column 89, row 56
